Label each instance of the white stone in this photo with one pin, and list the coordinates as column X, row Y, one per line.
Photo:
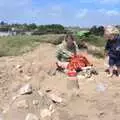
column 27, row 78
column 55, row 98
column 31, row 116
column 18, row 66
column 45, row 113
column 27, row 89
column 40, row 93
column 23, row 104
column 35, row 102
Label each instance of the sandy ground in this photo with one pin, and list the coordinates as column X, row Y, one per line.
column 99, row 96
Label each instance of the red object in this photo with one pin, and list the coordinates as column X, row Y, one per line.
column 72, row 73
column 77, row 62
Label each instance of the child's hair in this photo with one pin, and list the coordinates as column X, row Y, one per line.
column 69, row 35
column 111, row 30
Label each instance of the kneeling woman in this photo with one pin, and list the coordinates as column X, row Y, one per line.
column 67, row 55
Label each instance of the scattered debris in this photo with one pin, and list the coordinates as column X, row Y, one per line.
column 55, row 98
column 27, row 78
column 45, row 113
column 19, row 66
column 35, row 102
column 23, row 104
column 40, row 93
column 15, row 97
column 27, row 89
column 31, row 116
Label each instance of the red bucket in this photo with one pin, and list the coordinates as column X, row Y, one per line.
column 72, row 73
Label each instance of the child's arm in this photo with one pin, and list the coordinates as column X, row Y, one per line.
column 107, row 48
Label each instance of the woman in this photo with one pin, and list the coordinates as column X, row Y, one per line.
column 65, row 51
column 112, row 48
column 67, row 55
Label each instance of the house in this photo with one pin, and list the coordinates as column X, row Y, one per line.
column 5, row 33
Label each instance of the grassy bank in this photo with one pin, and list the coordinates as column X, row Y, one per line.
column 16, row 45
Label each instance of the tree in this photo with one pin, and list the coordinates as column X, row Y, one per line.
column 94, row 30
column 101, row 30
column 97, row 30
column 2, row 23
column 32, row 26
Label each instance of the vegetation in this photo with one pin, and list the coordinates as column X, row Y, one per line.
column 17, row 45
column 36, row 29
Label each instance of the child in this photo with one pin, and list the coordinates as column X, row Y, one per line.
column 112, row 48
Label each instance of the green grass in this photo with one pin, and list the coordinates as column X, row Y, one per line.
column 17, row 45
column 94, row 40
column 97, row 41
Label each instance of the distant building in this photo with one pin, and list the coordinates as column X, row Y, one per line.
column 2, row 34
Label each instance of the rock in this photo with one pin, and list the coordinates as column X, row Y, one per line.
column 5, row 110
column 45, row 113
column 40, row 93
column 55, row 98
column 31, row 116
column 19, row 66
column 27, row 89
column 23, row 104
column 35, row 102
column 27, row 78
column 52, row 108
column 15, row 97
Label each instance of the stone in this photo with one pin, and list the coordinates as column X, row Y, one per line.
column 35, row 102
column 45, row 113
column 19, row 66
column 27, row 78
column 23, row 104
column 27, row 89
column 15, row 97
column 55, row 98
column 40, row 93
column 31, row 116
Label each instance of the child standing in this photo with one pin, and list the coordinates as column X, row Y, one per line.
column 112, row 48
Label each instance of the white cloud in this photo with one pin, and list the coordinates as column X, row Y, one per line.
column 109, row 1
column 112, row 13
column 82, row 13
column 109, row 12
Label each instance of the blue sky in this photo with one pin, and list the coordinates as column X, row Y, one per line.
column 67, row 12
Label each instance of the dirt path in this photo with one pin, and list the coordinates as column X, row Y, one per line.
column 99, row 96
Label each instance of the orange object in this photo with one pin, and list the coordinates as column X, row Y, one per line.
column 77, row 62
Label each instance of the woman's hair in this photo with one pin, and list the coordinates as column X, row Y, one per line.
column 69, row 35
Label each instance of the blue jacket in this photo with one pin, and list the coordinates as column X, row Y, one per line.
column 113, row 47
